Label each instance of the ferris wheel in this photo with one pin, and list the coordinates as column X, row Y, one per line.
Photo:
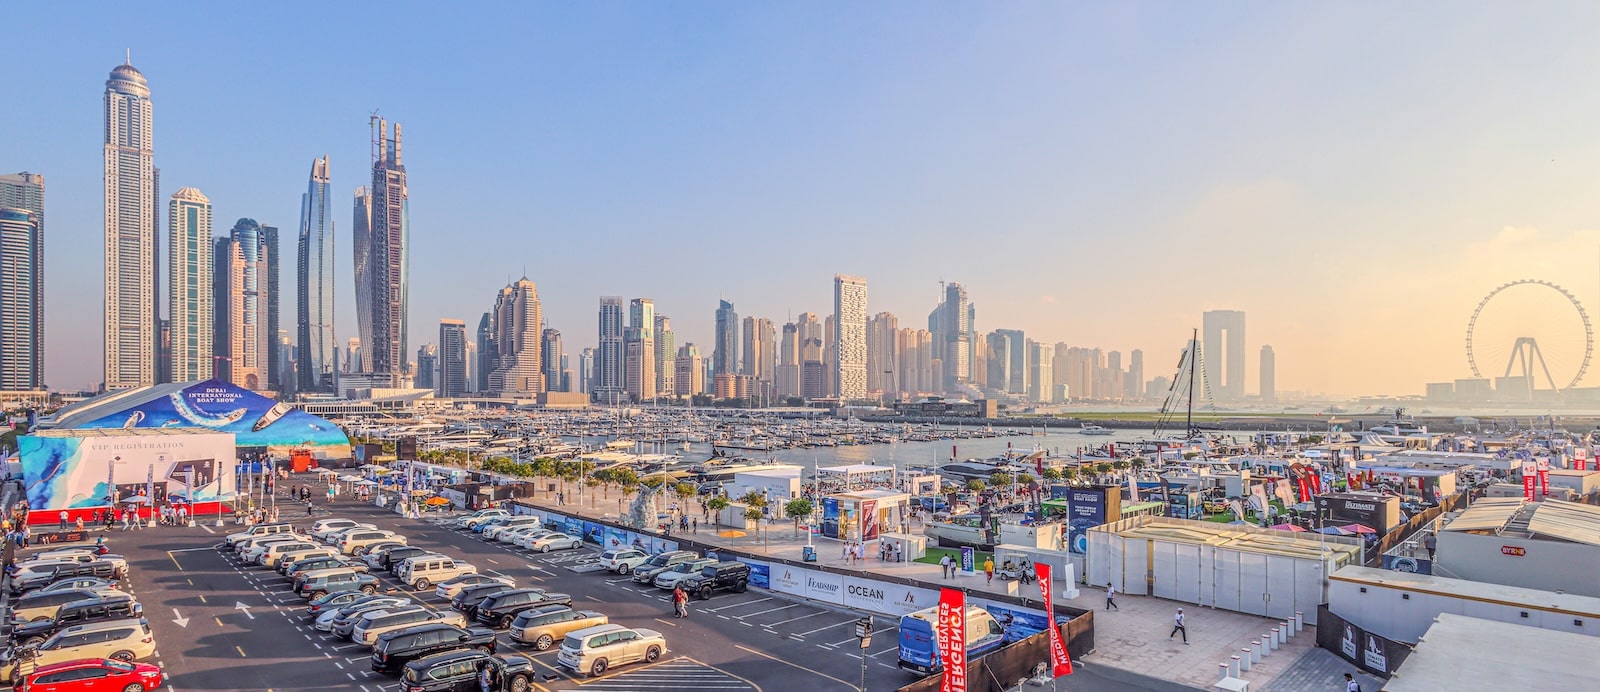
column 1537, row 328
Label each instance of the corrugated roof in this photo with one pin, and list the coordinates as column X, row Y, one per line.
column 1461, row 653
column 1487, row 514
column 1566, row 520
column 1239, row 537
column 90, row 410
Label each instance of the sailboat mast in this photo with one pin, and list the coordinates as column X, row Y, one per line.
column 1194, row 345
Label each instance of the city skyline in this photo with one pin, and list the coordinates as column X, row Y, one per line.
column 849, row 182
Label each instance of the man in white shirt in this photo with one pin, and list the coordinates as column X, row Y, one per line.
column 1177, row 626
column 944, row 564
column 1111, row 598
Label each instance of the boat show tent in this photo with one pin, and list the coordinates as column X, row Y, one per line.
column 1461, row 652
column 833, row 479
column 1229, row 566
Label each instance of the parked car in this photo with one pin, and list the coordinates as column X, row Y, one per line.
column 119, row 607
column 243, row 547
column 450, row 587
column 42, row 604
column 623, row 560
column 339, row 580
column 322, row 528
column 595, row 650
column 334, row 601
column 70, row 583
column 233, row 539
column 510, row 523
column 516, row 535
column 60, row 553
column 41, row 574
column 300, row 567
column 94, row 675
column 472, row 520
column 395, row 649
column 291, row 557
column 526, row 538
column 458, row 670
column 555, row 541
column 325, row 621
column 646, row 573
column 467, row 599
column 421, row 571
column 123, row 640
column 372, row 625
column 267, row 556
column 380, row 558
column 669, row 577
column 544, row 626
column 352, row 541
column 500, row 609
column 484, row 525
column 723, row 576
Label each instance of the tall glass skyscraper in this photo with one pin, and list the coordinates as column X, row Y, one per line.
column 725, row 353
column 131, row 247
column 361, row 235
column 850, row 338
column 190, row 312
column 452, row 358
column 386, row 261
column 22, row 281
column 607, row 382
column 242, row 283
column 314, row 285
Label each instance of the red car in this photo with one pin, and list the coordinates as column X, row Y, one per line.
column 95, row 675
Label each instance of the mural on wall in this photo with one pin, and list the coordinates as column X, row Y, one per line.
column 254, row 420
column 71, row 472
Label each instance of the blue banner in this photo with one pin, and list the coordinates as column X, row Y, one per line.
column 1085, row 509
column 830, row 517
column 760, row 573
column 969, row 559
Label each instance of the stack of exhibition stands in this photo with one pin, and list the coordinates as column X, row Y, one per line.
column 861, row 590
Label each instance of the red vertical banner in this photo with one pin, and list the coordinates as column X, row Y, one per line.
column 1305, row 490
column 1544, row 477
column 1059, row 661
column 1316, row 484
column 951, row 631
column 1530, row 471
column 1580, row 459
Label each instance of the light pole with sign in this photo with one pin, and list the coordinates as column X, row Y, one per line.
column 864, row 631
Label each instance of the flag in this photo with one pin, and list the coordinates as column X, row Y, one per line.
column 951, row 631
column 1133, row 490
column 1059, row 661
column 1544, row 477
column 1530, row 471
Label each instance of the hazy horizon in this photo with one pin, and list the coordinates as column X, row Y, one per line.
column 1355, row 177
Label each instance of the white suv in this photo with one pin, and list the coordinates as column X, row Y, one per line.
column 622, row 560
column 352, row 541
column 323, row 528
column 423, row 571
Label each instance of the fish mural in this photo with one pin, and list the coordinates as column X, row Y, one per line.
column 198, row 417
column 254, row 420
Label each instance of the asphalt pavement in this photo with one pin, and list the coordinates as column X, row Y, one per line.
column 225, row 626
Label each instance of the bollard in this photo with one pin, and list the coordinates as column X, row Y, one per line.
column 1288, row 630
column 1233, row 666
column 1255, row 651
column 1299, row 621
column 1274, row 640
column 1266, row 644
column 1244, row 659
column 1222, row 672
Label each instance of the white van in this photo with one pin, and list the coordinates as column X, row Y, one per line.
column 258, row 530
column 423, row 571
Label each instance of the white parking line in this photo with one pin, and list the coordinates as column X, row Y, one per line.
column 829, row 627
column 736, row 605
column 769, row 610
column 802, row 617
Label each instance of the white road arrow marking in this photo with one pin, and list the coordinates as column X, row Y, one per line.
column 241, row 606
column 181, row 620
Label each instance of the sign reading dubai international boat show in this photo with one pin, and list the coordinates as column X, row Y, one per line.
column 951, row 632
column 1060, row 663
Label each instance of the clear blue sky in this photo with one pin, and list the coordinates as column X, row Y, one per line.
column 1096, row 174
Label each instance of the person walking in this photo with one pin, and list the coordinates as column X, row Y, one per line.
column 944, row 566
column 988, row 569
column 79, row 523
column 127, row 518
column 1111, row 598
column 63, row 520
column 1350, row 684
column 680, row 601
column 1177, row 627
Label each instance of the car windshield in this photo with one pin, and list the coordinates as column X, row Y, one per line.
column 117, row 665
column 573, row 643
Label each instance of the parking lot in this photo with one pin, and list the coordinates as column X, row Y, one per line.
column 223, row 625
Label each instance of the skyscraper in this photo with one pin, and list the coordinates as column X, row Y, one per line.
column 427, row 361
column 386, row 259
column 518, row 317
column 24, row 192
column 689, row 379
column 274, row 353
column 1040, row 380
column 1269, row 374
column 1224, row 368
column 240, row 271
column 586, row 370
column 883, row 353
column 361, row 254
column 132, row 275
column 789, row 361
column 725, row 353
column 1133, row 386
column 607, row 382
column 640, row 350
column 21, row 366
column 550, row 352
column 190, row 313
column 850, row 339
column 488, row 351
column 666, row 374
column 951, row 325
column 452, row 358
column 314, row 333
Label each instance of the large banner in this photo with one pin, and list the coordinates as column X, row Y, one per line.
column 886, row 598
column 70, row 471
column 951, row 631
column 830, row 517
column 869, row 520
column 255, row 420
column 1086, row 509
column 760, row 573
column 1059, row 662
column 1530, row 472
column 824, row 586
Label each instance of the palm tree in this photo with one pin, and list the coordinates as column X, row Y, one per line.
column 1051, row 474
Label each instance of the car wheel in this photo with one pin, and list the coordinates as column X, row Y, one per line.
column 506, row 621
column 33, row 641
column 41, row 618
column 422, row 584
column 486, row 649
column 135, row 687
column 598, row 668
column 705, row 593
column 369, row 589
column 651, row 654
column 544, row 642
column 544, row 548
column 318, row 594
column 741, row 586
column 624, row 569
column 124, row 656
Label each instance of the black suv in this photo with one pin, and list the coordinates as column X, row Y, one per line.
column 501, row 608
column 469, row 598
column 394, row 650
column 390, row 558
column 723, row 576
column 118, row 607
column 458, row 670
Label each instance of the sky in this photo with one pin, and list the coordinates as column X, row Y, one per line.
column 1356, row 177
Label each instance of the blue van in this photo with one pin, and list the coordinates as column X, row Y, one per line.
column 919, row 648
